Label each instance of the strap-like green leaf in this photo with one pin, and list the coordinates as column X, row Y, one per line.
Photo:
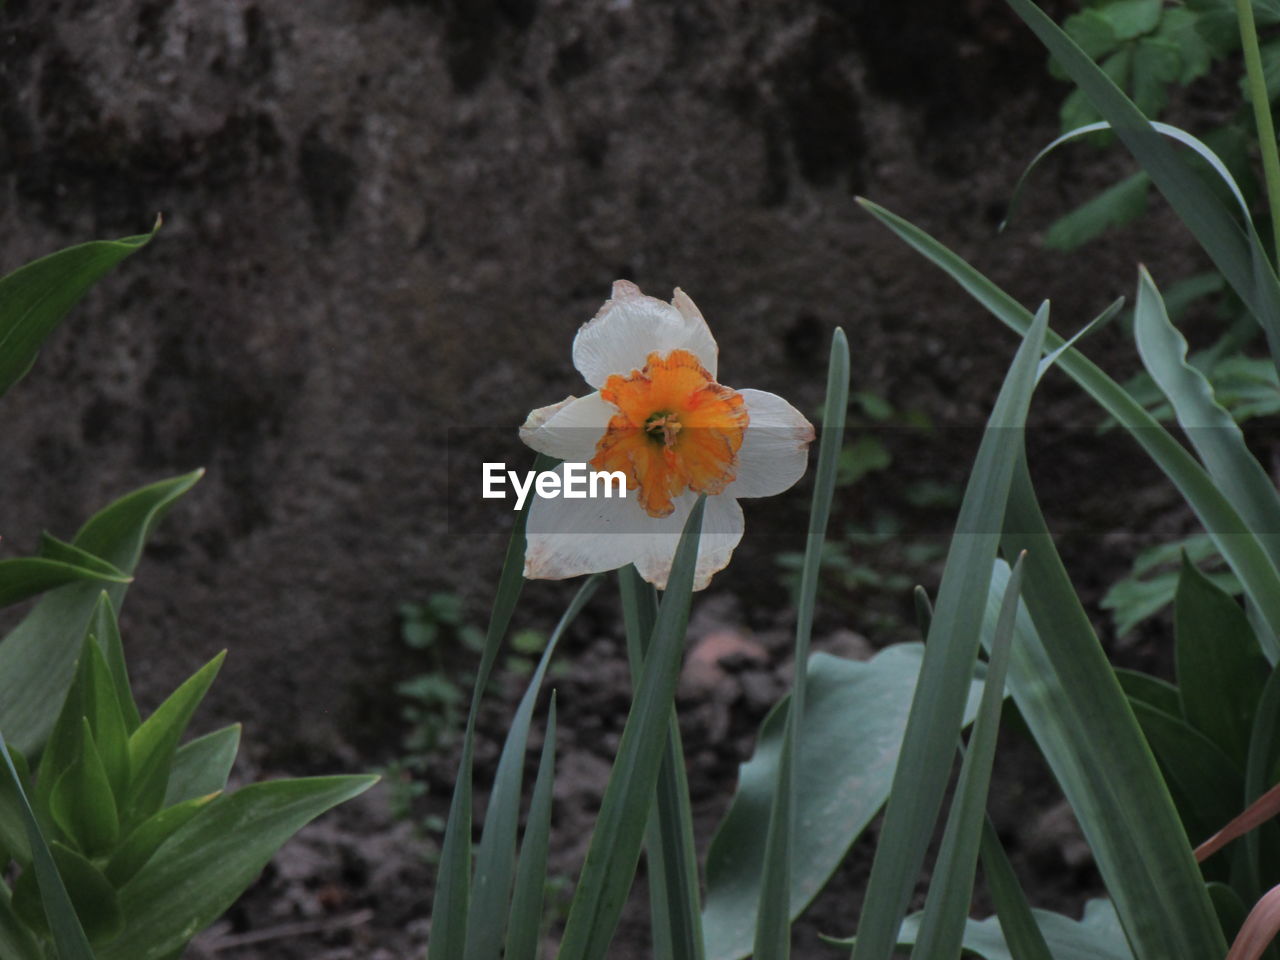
column 1168, row 130
column 672, row 860
column 453, row 882
column 1210, row 428
column 929, row 745
column 951, row 888
column 1236, row 250
column 1017, row 920
column 1081, row 720
column 773, row 916
column 614, row 851
column 1230, row 534
column 525, row 922
column 495, row 859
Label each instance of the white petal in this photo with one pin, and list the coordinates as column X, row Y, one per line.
column 540, row 415
column 570, row 429
column 571, row 537
column 722, row 526
column 775, row 446
column 631, row 325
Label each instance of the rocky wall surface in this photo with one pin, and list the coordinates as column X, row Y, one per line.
column 384, row 222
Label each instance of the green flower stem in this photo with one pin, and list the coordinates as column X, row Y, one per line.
column 1261, row 114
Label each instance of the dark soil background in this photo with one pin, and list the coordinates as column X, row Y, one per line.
column 384, row 221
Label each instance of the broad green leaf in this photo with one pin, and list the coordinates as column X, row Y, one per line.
column 928, row 746
column 1247, row 386
column 38, row 658
column 1077, row 110
column 13, row 824
column 153, row 745
column 1138, row 597
column 1017, row 920
column 1119, row 204
column 525, row 922
column 1075, row 709
column 91, row 698
column 1197, row 771
column 1097, row 937
column 25, row 577
column 133, row 854
column 17, row 942
column 1264, row 748
column 106, row 630
column 1220, row 520
column 1221, row 670
column 1130, row 19
column 1093, row 31
column 672, row 859
column 51, row 548
column 453, row 881
column 202, row 766
column 1156, row 64
column 1270, row 53
column 1178, row 26
column 773, row 921
column 854, row 721
column 83, row 803
column 105, row 719
column 1231, row 909
column 68, row 935
column 1217, row 21
column 1212, row 431
column 35, row 298
column 951, row 886
column 614, row 851
column 97, row 907
column 208, row 862
column 496, row 856
column 1152, row 691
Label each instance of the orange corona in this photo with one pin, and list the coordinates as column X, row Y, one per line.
column 676, row 430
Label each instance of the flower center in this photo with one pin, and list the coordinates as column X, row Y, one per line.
column 662, row 427
column 676, row 429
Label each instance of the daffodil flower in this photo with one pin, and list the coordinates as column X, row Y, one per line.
column 659, row 417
